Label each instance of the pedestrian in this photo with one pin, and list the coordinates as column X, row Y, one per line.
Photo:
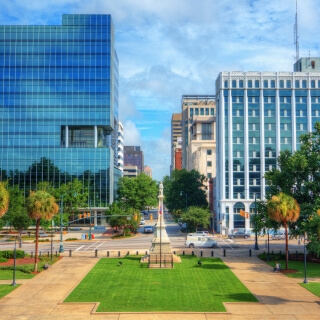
column 277, row 267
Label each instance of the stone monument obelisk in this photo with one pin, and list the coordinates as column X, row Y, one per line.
column 161, row 242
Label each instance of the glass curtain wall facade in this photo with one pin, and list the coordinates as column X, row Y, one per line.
column 59, row 104
column 258, row 115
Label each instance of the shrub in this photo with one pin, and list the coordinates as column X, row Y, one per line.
column 9, row 254
column 3, row 259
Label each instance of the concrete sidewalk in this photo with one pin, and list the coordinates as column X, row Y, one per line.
column 42, row 297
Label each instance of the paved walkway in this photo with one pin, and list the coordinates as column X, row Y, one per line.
column 42, row 297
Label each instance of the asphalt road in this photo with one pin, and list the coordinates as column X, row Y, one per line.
column 142, row 241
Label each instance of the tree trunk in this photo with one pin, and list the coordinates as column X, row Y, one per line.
column 287, row 246
column 37, row 244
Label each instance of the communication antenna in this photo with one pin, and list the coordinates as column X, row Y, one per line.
column 296, row 36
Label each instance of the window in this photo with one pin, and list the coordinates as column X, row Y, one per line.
column 234, row 83
column 207, row 131
column 281, row 84
column 250, row 83
column 209, row 175
column 209, row 152
column 212, row 111
column 191, row 112
column 240, row 83
column 256, row 83
column 265, row 83
column 313, row 84
column 196, row 111
column 273, row 83
column 209, row 163
column 202, row 111
column 304, row 83
column 288, row 83
column 226, row 83
column 207, row 111
column 297, row 84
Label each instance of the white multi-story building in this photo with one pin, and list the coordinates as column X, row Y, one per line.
column 258, row 115
column 120, row 146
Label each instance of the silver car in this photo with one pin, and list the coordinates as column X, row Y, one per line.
column 278, row 236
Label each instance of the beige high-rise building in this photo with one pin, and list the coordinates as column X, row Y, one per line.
column 175, row 140
column 199, row 138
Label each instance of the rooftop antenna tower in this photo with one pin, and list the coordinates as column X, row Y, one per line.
column 296, row 36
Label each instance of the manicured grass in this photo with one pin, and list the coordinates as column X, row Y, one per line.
column 313, row 287
column 6, row 289
column 313, row 269
column 8, row 275
column 133, row 287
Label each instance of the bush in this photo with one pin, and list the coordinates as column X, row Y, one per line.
column 71, row 239
column 9, row 254
column 3, row 259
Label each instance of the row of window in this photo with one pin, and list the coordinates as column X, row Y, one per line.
column 256, row 100
column 272, row 83
column 201, row 112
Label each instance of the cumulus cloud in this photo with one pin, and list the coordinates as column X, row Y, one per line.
column 169, row 48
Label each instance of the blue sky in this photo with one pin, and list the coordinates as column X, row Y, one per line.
column 168, row 48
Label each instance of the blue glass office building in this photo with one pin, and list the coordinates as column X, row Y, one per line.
column 258, row 115
column 59, row 104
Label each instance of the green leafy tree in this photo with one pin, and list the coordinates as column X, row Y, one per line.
column 283, row 208
column 196, row 216
column 18, row 217
column 40, row 205
column 138, row 193
column 184, row 189
column 4, row 198
column 299, row 176
column 125, row 220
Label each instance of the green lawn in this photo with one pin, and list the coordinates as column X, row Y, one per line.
column 313, row 287
column 133, row 287
column 8, row 275
column 313, row 271
column 6, row 289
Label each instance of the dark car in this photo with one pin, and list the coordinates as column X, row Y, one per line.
column 239, row 234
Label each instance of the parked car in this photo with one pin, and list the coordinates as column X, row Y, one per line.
column 278, row 236
column 148, row 229
column 184, row 226
column 239, row 234
column 200, row 241
column 199, row 233
column 142, row 221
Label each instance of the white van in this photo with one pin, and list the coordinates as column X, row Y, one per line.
column 200, row 241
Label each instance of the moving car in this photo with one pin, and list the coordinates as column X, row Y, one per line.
column 148, row 229
column 199, row 233
column 142, row 221
column 278, row 236
column 200, row 241
column 239, row 234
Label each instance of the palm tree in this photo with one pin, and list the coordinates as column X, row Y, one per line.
column 40, row 205
column 283, row 208
column 4, row 198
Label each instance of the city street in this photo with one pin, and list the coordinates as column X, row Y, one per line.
column 142, row 242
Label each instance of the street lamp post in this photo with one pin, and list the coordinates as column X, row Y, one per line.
column 256, row 247
column 305, row 260
column 61, row 249
column 14, row 261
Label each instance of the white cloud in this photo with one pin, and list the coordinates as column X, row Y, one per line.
column 169, row 48
column 131, row 134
